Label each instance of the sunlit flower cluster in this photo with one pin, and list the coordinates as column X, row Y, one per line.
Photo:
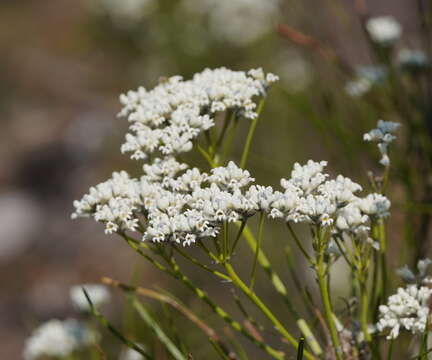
column 58, row 339
column 383, row 135
column 311, row 197
column 240, row 22
column 170, row 203
column 175, row 205
column 408, row 309
column 169, row 117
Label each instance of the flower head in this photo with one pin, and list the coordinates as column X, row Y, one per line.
column 57, row 338
column 169, row 117
column 383, row 135
column 407, row 309
column 384, row 30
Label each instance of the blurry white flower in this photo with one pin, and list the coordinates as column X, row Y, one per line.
column 240, row 22
column 124, row 13
column 383, row 135
column 412, row 60
column 358, row 87
column 98, row 294
column 408, row 309
column 294, row 71
column 130, row 354
column 366, row 78
column 57, row 338
column 384, row 30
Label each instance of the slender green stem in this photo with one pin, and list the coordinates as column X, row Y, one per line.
column 224, row 254
column 390, row 351
column 257, row 250
column 274, row 277
column 299, row 244
column 325, row 297
column 206, row 156
column 220, row 312
column 229, row 139
column 264, row 309
column 208, row 252
column 239, row 234
column 228, row 118
column 364, row 306
column 250, row 133
column 202, row 266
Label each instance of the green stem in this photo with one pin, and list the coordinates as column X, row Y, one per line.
column 364, row 305
column 299, row 244
column 202, row 266
column 250, row 133
column 264, row 309
column 257, row 250
column 224, row 254
column 328, row 313
column 274, row 277
column 206, row 156
column 220, row 312
column 239, row 234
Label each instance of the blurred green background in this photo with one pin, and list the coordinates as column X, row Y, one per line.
column 63, row 65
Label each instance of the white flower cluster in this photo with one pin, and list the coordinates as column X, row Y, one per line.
column 366, row 78
column 311, row 197
column 185, row 205
column 112, row 202
column 170, row 116
column 123, row 13
column 384, row 30
column 58, row 339
column 407, row 309
column 383, row 135
column 240, row 22
column 176, row 205
column 98, row 294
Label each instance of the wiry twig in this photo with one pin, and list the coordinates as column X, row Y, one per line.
column 310, row 42
column 210, row 333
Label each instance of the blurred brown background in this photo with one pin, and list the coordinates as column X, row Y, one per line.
column 63, row 65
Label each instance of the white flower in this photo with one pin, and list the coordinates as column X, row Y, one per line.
column 350, row 217
column 98, row 294
column 57, row 338
column 383, row 135
column 240, row 22
column 384, row 30
column 413, row 60
column 374, row 205
column 408, row 309
column 230, row 177
column 123, row 13
column 313, row 198
column 131, row 354
column 307, row 177
column 168, row 118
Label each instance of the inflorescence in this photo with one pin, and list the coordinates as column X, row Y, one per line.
column 171, row 202
column 169, row 117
